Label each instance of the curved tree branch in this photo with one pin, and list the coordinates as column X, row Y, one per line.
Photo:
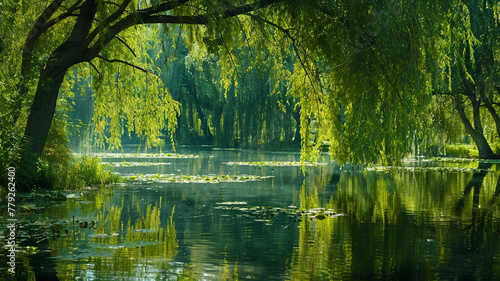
column 40, row 26
column 126, row 63
column 148, row 16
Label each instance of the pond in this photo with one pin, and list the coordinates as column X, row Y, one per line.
column 250, row 215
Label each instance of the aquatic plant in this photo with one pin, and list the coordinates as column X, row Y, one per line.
column 134, row 164
column 195, row 179
column 388, row 169
column 274, row 163
column 88, row 171
column 460, row 160
column 142, row 155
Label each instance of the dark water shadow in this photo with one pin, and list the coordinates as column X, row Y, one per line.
column 474, row 185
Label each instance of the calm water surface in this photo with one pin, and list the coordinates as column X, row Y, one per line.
column 326, row 224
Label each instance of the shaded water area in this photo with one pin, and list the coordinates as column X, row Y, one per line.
column 327, row 224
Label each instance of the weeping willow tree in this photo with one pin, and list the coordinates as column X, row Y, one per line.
column 257, row 113
column 363, row 74
column 468, row 70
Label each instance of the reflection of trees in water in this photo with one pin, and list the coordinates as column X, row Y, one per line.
column 404, row 225
column 136, row 249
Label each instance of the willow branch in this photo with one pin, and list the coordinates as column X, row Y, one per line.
column 95, row 68
column 126, row 63
column 126, row 45
column 109, row 20
column 296, row 48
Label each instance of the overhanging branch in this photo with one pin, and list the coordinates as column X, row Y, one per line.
column 149, row 16
column 126, row 63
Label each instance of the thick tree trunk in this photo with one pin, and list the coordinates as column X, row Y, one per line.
column 66, row 55
column 38, row 125
column 42, row 111
column 483, row 147
column 43, row 107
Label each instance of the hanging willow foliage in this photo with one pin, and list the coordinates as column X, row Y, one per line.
column 364, row 73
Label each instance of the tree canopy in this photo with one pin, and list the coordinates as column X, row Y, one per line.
column 365, row 75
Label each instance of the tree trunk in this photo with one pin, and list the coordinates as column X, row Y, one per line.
column 42, row 111
column 204, row 121
column 485, row 151
column 43, row 107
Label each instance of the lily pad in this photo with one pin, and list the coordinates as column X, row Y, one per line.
column 232, row 203
column 135, row 164
column 143, row 155
column 195, row 179
column 268, row 214
column 273, row 163
column 388, row 169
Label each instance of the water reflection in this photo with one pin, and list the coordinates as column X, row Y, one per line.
column 424, row 226
column 117, row 245
column 326, row 224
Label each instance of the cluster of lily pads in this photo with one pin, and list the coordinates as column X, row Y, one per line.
column 273, row 163
column 269, row 214
column 450, row 160
column 134, row 164
column 461, row 160
column 195, row 179
column 143, row 155
column 427, row 169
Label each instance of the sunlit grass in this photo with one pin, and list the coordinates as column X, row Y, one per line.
column 89, row 171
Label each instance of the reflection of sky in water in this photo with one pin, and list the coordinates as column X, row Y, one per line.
column 402, row 225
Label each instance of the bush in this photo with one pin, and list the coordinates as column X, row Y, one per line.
column 89, row 171
column 461, row 150
column 59, row 170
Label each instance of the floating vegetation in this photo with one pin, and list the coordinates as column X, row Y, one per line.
column 196, row 179
column 135, row 164
column 460, row 160
column 143, row 155
column 232, row 203
column 451, row 160
column 273, row 163
column 269, row 214
column 389, row 169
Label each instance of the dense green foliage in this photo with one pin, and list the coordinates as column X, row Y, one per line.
column 374, row 79
column 255, row 111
